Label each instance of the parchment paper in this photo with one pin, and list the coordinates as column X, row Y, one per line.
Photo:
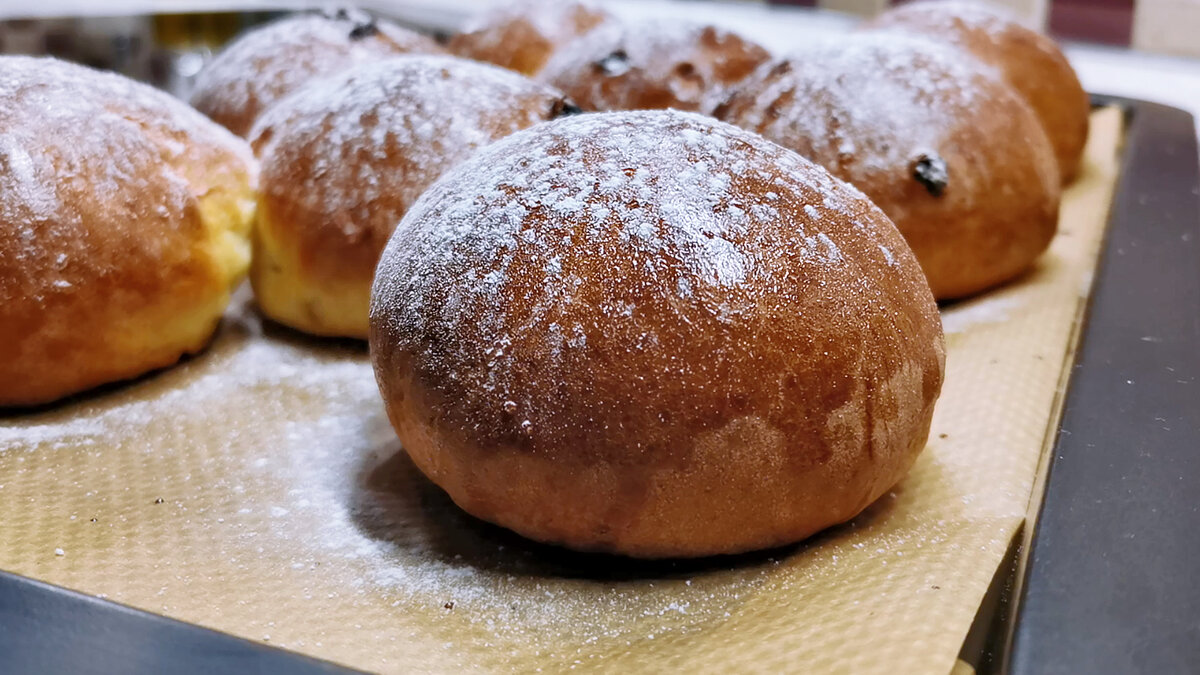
column 258, row 489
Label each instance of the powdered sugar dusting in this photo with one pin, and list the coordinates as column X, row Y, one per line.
column 258, row 364
column 661, row 180
column 963, row 316
column 556, row 21
column 270, row 62
column 395, row 535
column 26, row 197
column 652, row 64
column 966, row 24
column 75, row 141
column 363, row 144
column 947, row 16
column 33, row 87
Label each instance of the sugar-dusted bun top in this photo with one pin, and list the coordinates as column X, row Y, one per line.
column 951, row 153
column 189, row 141
column 990, row 18
column 656, row 334
column 653, row 65
column 92, row 160
column 1028, row 61
column 524, row 34
column 574, row 263
column 267, row 63
column 345, row 156
column 869, row 102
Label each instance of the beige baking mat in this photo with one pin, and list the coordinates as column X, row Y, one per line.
column 259, row 490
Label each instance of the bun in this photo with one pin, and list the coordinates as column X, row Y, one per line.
column 654, row 334
column 344, row 158
column 955, row 158
column 270, row 62
column 651, row 66
column 1028, row 61
column 124, row 223
column 523, row 35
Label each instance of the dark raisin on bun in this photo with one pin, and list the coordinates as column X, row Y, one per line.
column 953, row 155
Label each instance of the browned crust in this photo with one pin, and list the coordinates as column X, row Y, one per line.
column 745, row 417
column 1030, row 62
column 123, row 275
column 267, row 63
column 337, row 246
column 511, row 37
column 999, row 209
column 651, row 67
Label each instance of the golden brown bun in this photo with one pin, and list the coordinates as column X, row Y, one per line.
column 654, row 334
column 955, row 158
column 653, row 65
column 124, row 223
column 522, row 35
column 268, row 63
column 1030, row 62
column 345, row 157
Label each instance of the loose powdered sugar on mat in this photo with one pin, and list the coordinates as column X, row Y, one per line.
column 258, row 489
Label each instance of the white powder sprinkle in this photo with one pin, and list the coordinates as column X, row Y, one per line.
column 992, row 308
column 945, row 17
column 658, row 196
column 687, row 65
column 887, row 253
column 404, row 119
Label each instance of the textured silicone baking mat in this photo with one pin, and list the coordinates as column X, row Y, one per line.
column 259, row 490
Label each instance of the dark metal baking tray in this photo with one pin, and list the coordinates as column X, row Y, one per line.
column 1109, row 584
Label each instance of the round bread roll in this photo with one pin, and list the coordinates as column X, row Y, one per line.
column 653, row 65
column 124, row 223
column 654, row 334
column 523, row 34
column 344, row 158
column 1030, row 62
column 267, row 63
column 955, row 158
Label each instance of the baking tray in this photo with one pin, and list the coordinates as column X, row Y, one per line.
column 1108, row 584
column 1102, row 578
column 1036, row 618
